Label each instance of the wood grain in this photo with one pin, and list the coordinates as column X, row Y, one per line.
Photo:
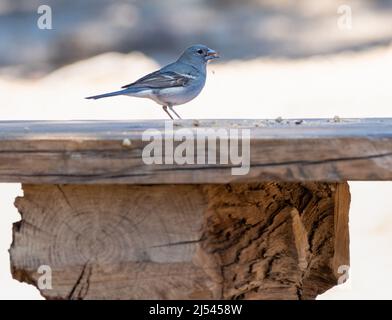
column 90, row 152
column 232, row 241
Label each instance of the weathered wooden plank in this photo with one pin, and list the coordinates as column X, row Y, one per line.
column 111, row 151
column 235, row 241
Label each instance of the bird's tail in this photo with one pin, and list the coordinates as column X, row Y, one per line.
column 105, row 95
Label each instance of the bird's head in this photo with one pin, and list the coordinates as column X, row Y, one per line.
column 197, row 54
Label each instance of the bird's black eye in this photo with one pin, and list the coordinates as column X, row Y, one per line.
column 200, row 51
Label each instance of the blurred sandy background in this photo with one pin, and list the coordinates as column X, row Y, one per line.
column 279, row 58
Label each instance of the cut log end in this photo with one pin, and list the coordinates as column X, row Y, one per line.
column 234, row 241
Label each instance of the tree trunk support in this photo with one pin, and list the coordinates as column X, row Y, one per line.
column 226, row 241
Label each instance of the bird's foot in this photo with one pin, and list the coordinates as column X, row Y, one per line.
column 165, row 109
column 172, row 109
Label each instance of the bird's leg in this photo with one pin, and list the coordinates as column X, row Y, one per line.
column 171, row 109
column 165, row 109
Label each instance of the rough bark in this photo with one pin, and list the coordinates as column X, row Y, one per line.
column 234, row 241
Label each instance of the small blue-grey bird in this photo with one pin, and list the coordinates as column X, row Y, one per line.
column 174, row 84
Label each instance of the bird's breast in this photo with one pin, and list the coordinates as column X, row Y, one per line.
column 179, row 95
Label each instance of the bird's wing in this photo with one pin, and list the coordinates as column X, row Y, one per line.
column 161, row 79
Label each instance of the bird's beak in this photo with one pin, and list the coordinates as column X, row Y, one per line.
column 211, row 54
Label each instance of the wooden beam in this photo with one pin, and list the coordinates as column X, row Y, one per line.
column 232, row 241
column 90, row 152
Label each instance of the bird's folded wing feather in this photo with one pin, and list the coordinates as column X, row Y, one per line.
column 159, row 79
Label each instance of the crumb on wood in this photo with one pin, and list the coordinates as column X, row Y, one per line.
column 126, row 142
